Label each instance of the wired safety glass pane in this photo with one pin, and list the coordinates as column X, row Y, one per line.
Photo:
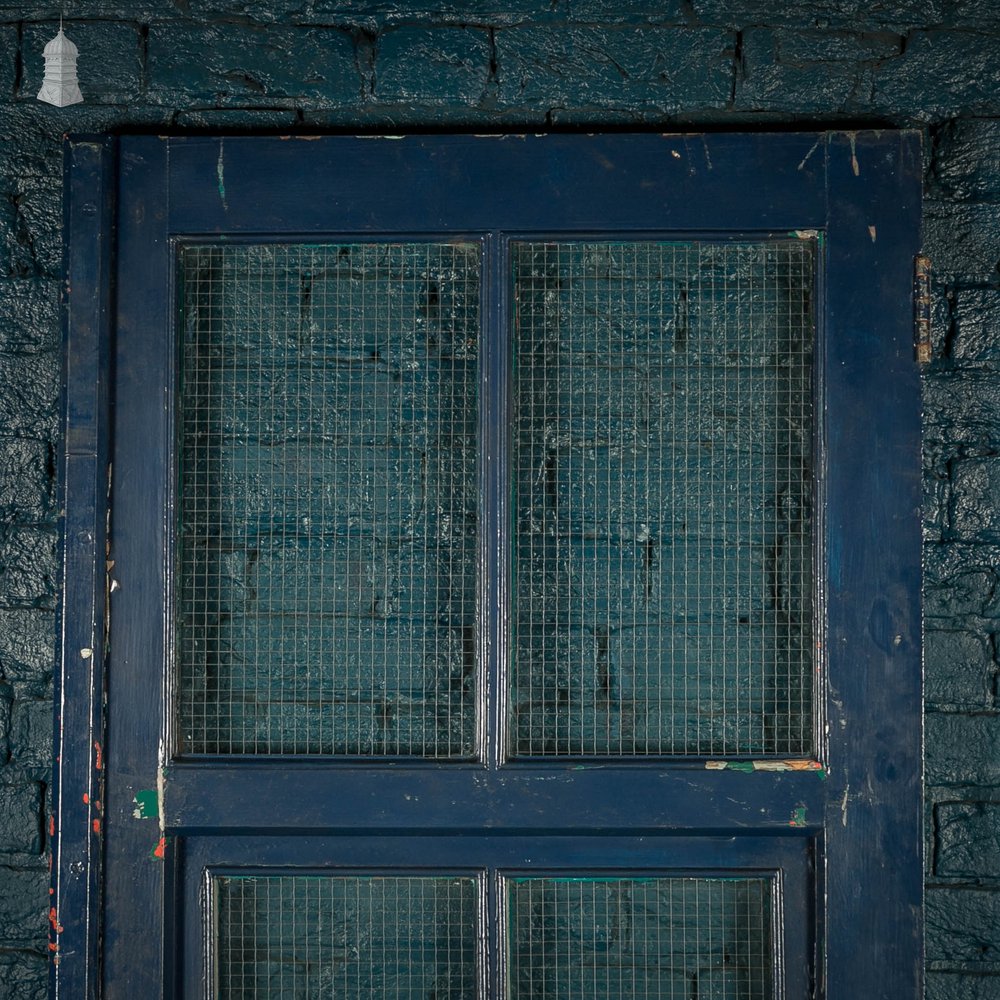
column 663, row 470
column 643, row 938
column 327, row 499
column 350, row 937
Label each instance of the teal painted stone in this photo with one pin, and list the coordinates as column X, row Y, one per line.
column 432, row 66
column 24, row 907
column 959, row 928
column 779, row 70
column 29, row 316
column 960, row 670
column 961, row 408
column 963, row 750
column 961, row 581
column 631, row 12
column 26, row 648
column 39, row 224
column 963, row 240
column 16, row 258
column 6, row 700
column 31, row 392
column 29, row 571
column 976, row 334
column 109, row 65
column 222, row 119
column 8, row 60
column 669, row 69
column 958, row 986
column 24, row 975
column 966, row 163
column 31, row 734
column 245, row 65
column 940, row 74
column 975, row 500
column 852, row 15
column 26, row 480
column 20, row 818
column 968, row 840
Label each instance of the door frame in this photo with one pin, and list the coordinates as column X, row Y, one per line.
column 121, row 808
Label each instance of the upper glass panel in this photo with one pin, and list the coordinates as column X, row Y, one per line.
column 663, row 495
column 327, row 514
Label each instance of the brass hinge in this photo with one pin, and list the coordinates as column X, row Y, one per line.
column 922, row 308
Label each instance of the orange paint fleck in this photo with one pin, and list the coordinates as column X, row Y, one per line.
column 53, row 946
column 52, row 826
column 52, row 891
column 86, row 797
column 97, row 804
column 160, row 851
column 99, row 758
column 96, row 825
column 54, row 921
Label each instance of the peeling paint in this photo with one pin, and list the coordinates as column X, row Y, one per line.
column 922, row 308
column 805, row 159
column 220, row 171
column 805, row 234
column 853, row 137
column 86, row 653
column 147, row 804
column 160, row 850
column 98, row 756
column 843, row 806
column 54, row 921
column 798, row 817
column 750, row 766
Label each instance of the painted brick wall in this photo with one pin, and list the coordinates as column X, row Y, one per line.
column 313, row 64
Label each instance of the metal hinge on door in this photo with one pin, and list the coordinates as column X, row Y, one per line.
column 922, row 308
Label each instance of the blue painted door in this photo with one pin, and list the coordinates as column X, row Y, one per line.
column 514, row 567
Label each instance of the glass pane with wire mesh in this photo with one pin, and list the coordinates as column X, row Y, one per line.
column 327, row 499
column 670, row 938
column 663, row 482
column 351, row 937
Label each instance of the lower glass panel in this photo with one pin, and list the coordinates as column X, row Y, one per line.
column 643, row 938
column 350, row 937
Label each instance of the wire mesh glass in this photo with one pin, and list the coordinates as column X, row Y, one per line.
column 641, row 938
column 327, row 516
column 663, row 469
column 350, row 937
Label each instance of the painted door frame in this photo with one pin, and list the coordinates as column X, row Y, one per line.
column 126, row 815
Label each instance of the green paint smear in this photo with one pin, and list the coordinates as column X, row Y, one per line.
column 799, row 816
column 745, row 766
column 147, row 804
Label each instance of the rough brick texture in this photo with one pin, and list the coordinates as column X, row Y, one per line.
column 288, row 64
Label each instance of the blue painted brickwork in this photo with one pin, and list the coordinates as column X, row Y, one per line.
column 202, row 64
